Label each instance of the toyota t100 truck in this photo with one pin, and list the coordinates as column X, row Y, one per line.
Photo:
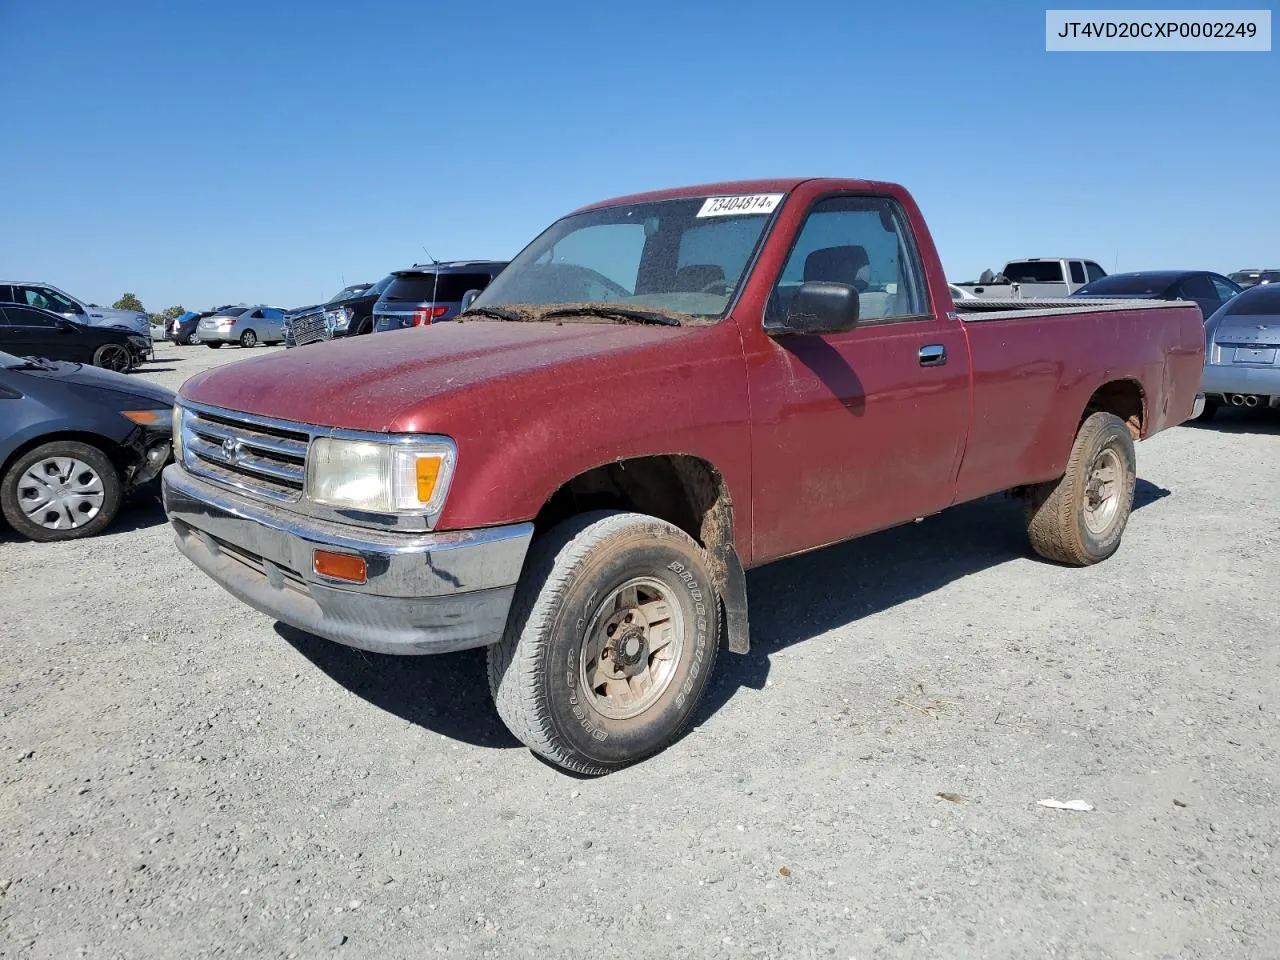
column 658, row 393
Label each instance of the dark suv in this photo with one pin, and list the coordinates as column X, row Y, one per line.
column 427, row 293
column 348, row 314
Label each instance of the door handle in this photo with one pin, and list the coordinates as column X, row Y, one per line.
column 933, row 355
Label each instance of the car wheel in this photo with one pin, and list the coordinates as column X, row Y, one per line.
column 1079, row 518
column 62, row 490
column 113, row 356
column 612, row 635
column 248, row 339
column 214, row 344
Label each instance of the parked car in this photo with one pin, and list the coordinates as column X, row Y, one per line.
column 348, row 314
column 1242, row 351
column 76, row 440
column 30, row 331
column 1252, row 277
column 1209, row 290
column 428, row 293
column 184, row 328
column 740, row 373
column 247, row 326
column 48, row 297
column 1037, row 277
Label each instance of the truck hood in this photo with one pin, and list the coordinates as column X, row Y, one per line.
column 395, row 382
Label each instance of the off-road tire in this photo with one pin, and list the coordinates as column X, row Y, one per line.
column 248, row 339
column 534, row 669
column 1056, row 510
column 106, row 470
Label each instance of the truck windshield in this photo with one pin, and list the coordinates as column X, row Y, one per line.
column 346, row 293
column 1033, row 271
column 685, row 257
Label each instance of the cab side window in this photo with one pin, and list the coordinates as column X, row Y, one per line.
column 46, row 299
column 21, row 317
column 1093, row 271
column 865, row 243
column 1077, row 271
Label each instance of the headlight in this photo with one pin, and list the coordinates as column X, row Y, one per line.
column 388, row 477
column 338, row 319
column 177, row 433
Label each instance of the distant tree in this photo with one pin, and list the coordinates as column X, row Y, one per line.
column 129, row 301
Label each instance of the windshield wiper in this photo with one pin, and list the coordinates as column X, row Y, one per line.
column 622, row 313
column 39, row 363
column 496, row 312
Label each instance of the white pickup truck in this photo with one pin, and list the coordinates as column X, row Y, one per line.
column 1047, row 277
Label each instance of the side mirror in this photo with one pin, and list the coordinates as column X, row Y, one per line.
column 469, row 298
column 820, row 307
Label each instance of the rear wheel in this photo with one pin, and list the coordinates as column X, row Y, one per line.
column 612, row 636
column 62, row 490
column 113, row 356
column 1079, row 518
column 248, row 339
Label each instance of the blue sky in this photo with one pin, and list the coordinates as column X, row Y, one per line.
column 204, row 153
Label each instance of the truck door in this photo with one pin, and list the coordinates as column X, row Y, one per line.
column 859, row 430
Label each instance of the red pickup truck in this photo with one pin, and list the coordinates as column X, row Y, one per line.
column 658, row 392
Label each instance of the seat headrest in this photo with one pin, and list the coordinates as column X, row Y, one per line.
column 694, row 276
column 836, row 264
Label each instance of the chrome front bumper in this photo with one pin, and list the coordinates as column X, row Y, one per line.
column 425, row 592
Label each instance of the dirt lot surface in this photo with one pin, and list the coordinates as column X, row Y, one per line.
column 181, row 777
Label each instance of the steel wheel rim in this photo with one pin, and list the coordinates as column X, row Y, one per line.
column 61, row 493
column 115, row 358
column 1102, row 492
column 632, row 648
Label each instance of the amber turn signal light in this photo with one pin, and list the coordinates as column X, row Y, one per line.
column 428, row 472
column 340, row 566
column 146, row 418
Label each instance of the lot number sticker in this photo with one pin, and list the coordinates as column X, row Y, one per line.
column 742, row 204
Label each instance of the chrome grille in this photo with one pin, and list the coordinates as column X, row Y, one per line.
column 309, row 328
column 243, row 452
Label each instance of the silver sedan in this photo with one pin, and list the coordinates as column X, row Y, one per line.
column 247, row 326
column 1242, row 351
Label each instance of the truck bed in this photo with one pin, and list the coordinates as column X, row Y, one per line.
column 976, row 310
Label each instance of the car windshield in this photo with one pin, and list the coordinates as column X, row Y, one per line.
column 1126, row 285
column 685, row 257
column 1256, row 302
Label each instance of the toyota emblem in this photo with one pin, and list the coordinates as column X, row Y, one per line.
column 231, row 450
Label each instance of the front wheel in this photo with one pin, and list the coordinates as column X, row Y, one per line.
column 612, row 637
column 113, row 356
column 1079, row 518
column 61, row 490
column 248, row 339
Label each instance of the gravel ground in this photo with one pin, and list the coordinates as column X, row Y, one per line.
column 181, row 777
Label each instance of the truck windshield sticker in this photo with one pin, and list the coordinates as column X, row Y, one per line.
column 741, row 204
